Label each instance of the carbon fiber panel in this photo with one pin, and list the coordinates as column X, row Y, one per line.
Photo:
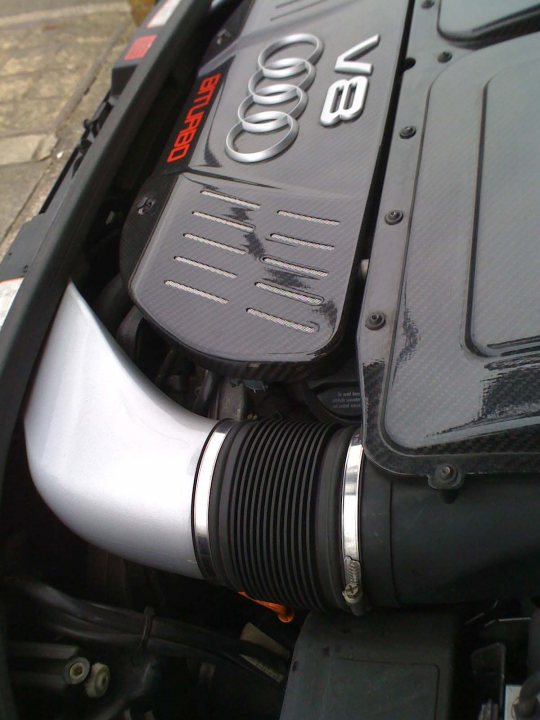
column 454, row 376
column 251, row 264
column 478, row 21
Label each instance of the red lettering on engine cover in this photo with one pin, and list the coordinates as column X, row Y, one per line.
column 194, row 118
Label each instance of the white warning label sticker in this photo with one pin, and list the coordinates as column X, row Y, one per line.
column 8, row 291
column 163, row 13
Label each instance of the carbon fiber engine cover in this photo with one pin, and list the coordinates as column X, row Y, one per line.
column 453, row 377
column 254, row 221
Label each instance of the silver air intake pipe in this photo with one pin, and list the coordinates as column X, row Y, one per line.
column 109, row 453
column 286, row 512
column 269, row 508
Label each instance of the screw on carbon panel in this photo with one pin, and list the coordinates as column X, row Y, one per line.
column 223, row 36
column 393, row 217
column 446, row 477
column 407, row 132
column 145, row 205
column 375, row 320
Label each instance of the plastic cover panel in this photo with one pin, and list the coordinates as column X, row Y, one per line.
column 505, row 304
column 251, row 265
column 383, row 666
column 486, row 20
column 455, row 373
column 254, row 267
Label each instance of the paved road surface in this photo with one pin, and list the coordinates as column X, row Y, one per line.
column 55, row 58
column 16, row 7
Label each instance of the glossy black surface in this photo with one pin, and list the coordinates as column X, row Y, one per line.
column 478, row 21
column 454, row 376
column 251, row 266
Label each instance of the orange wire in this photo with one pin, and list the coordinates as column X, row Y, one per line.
column 284, row 614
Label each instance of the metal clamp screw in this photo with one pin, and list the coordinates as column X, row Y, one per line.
column 352, row 593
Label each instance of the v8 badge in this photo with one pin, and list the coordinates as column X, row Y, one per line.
column 346, row 99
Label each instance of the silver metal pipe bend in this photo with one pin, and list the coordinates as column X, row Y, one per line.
column 111, row 455
column 131, row 471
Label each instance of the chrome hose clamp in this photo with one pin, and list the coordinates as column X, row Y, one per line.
column 350, row 530
column 201, row 498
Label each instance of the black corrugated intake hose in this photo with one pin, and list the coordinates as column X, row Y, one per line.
column 295, row 514
column 275, row 512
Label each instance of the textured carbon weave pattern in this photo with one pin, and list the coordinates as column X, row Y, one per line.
column 251, row 265
column 454, row 376
column 264, row 267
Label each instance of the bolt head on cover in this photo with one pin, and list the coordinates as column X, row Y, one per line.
column 393, row 217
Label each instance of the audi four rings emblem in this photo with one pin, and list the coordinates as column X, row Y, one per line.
column 268, row 121
column 344, row 102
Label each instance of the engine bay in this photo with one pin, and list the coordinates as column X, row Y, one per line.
column 278, row 454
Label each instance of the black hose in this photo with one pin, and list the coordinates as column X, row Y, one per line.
column 7, row 704
column 275, row 512
column 101, row 624
column 207, row 391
